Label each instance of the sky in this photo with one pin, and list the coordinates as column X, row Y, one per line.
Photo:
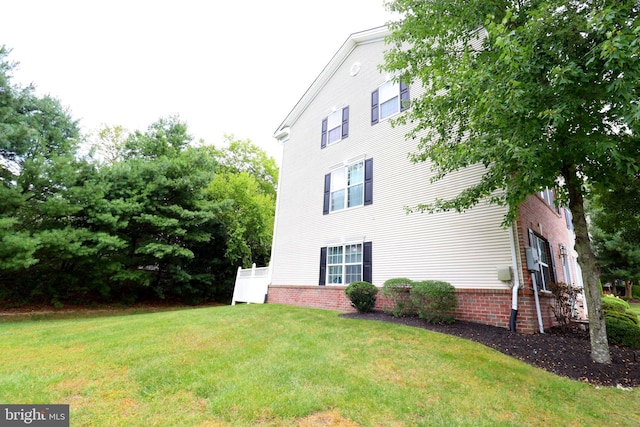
column 225, row 67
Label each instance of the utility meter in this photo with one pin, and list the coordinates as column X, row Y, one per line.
column 533, row 261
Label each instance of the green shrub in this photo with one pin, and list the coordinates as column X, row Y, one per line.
column 611, row 303
column 362, row 295
column 622, row 329
column 635, row 291
column 397, row 291
column 434, row 300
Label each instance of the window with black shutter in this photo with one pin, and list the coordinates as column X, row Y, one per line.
column 389, row 99
column 343, row 264
column 368, row 181
column 374, row 107
column 546, row 275
column 335, row 127
column 348, row 187
column 367, row 262
column 323, row 266
column 323, row 139
column 327, row 194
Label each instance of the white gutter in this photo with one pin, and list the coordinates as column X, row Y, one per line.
column 515, row 284
column 535, row 294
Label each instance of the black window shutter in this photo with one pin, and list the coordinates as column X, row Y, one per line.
column 368, row 181
column 404, row 96
column 374, row 107
column 345, row 122
column 327, row 194
column 323, row 139
column 367, row 261
column 323, row 267
column 552, row 267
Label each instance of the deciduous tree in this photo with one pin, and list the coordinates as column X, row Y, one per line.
column 542, row 93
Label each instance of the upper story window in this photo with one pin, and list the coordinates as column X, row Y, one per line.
column 389, row 99
column 548, row 196
column 335, row 127
column 349, row 186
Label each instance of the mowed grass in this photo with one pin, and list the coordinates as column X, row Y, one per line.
column 273, row 365
column 635, row 307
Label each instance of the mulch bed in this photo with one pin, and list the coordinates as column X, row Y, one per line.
column 563, row 353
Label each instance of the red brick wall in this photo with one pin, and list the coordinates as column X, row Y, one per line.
column 487, row 306
column 327, row 297
column 537, row 215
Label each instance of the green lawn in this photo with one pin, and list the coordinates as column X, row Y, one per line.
column 635, row 307
column 279, row 365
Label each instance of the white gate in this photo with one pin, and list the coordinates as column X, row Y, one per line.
column 251, row 285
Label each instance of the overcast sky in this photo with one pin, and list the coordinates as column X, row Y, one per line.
column 223, row 66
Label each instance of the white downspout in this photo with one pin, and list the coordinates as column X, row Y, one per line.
column 516, row 280
column 537, row 299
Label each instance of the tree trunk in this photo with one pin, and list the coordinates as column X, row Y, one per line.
column 628, row 289
column 590, row 275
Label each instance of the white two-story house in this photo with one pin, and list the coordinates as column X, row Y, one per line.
column 345, row 181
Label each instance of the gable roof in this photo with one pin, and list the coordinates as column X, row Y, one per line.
column 354, row 40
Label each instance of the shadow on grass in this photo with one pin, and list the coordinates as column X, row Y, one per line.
column 49, row 312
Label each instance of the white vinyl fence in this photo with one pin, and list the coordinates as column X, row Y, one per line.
column 251, row 285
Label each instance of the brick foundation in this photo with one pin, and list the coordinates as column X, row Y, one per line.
column 487, row 306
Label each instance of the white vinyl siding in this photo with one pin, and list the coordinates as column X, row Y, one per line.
column 464, row 249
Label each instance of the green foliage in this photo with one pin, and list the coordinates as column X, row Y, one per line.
column 636, row 291
column 532, row 91
column 156, row 202
column 615, row 229
column 362, row 295
column 247, row 215
column 244, row 156
column 397, row 291
column 165, row 137
column 108, row 144
column 623, row 324
column 612, row 303
column 509, row 88
column 145, row 215
column 435, row 301
column 623, row 329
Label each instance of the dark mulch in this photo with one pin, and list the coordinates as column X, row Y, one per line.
column 563, row 353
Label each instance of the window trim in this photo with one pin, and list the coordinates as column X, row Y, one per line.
column 376, row 102
column 535, row 241
column 367, row 186
column 347, row 186
column 365, row 263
